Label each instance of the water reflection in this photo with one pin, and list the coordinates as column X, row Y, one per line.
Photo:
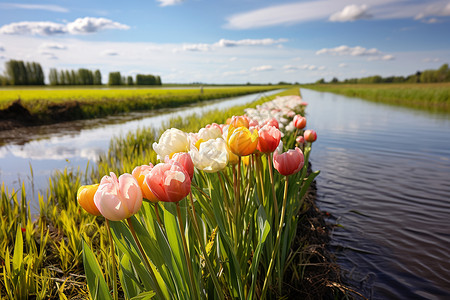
column 384, row 177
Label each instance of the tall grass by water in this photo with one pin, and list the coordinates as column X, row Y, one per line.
column 430, row 96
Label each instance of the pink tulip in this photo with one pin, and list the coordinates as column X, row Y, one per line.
column 118, row 199
column 310, row 136
column 269, row 138
column 272, row 122
column 214, row 125
column 170, row 182
column 185, row 160
column 300, row 140
column 289, row 162
column 299, row 122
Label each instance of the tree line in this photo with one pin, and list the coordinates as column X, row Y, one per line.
column 18, row 72
column 428, row 76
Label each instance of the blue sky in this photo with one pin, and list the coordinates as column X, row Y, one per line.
column 234, row 41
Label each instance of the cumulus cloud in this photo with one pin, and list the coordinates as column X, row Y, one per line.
column 196, row 47
column 169, row 2
column 79, row 26
column 372, row 54
column 308, row 67
column 350, row 13
column 47, row 7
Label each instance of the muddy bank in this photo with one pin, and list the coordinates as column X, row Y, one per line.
column 17, row 115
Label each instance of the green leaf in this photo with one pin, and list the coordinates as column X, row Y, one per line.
column 18, row 250
column 144, row 296
column 94, row 275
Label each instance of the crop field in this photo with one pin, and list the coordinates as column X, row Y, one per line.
column 432, row 96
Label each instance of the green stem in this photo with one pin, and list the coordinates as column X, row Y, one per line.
column 277, row 242
column 202, row 246
column 188, row 258
column 158, row 291
column 158, row 219
column 114, row 266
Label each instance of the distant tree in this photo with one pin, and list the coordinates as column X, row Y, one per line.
column 320, row 81
column 130, row 80
column 334, row 80
column 53, row 77
column 97, row 77
column 114, row 78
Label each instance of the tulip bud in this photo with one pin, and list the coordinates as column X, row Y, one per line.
column 299, row 122
column 85, row 198
column 169, row 181
column 242, row 141
column 269, row 138
column 310, row 136
column 300, row 140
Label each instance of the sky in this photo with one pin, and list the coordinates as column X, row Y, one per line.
column 229, row 41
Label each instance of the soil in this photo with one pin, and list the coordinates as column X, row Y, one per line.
column 17, row 115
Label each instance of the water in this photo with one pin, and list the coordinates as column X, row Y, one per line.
column 385, row 177
column 72, row 144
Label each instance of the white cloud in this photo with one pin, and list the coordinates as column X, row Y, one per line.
column 298, row 12
column 308, row 67
column 346, row 50
column 342, row 65
column 109, row 52
column 79, row 26
column 53, row 46
column 234, row 58
column 169, row 2
column 262, row 68
column 2, row 48
column 248, row 42
column 49, row 55
column 350, row 13
column 428, row 59
column 222, row 43
column 53, row 8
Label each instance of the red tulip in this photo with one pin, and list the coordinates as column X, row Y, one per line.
column 269, row 138
column 185, row 160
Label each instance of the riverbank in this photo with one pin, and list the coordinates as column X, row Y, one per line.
column 429, row 96
column 38, row 106
column 59, row 259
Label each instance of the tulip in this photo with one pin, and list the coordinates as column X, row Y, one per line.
column 169, row 181
column 211, row 156
column 209, row 133
column 118, row 198
column 300, row 140
column 239, row 121
column 269, row 138
column 299, row 122
column 171, row 141
column 139, row 173
column 214, row 125
column 272, row 122
column 310, row 135
column 289, row 162
column 242, row 141
column 85, row 198
column 185, row 160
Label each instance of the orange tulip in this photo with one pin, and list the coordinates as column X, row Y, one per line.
column 139, row 173
column 85, row 198
column 239, row 121
column 242, row 141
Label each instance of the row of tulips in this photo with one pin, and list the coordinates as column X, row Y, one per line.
column 207, row 221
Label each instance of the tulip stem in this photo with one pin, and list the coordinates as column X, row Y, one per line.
column 114, row 264
column 277, row 242
column 188, row 258
column 202, row 246
column 157, row 215
column 158, row 291
column 275, row 202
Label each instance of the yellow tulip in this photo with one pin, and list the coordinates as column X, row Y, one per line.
column 242, row 141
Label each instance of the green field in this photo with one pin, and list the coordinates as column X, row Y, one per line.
column 431, row 96
column 46, row 104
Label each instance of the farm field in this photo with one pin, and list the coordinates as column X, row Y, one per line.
column 49, row 105
column 430, row 96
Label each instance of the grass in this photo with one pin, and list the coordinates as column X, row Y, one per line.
column 430, row 96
